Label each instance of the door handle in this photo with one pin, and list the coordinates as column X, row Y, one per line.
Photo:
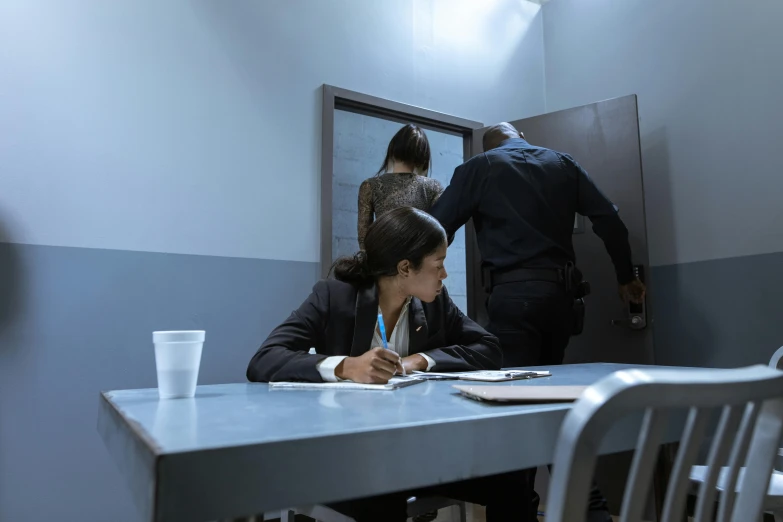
column 637, row 312
column 635, row 322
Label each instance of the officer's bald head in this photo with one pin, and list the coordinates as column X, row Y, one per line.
column 499, row 133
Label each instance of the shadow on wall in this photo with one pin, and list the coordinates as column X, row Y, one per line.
column 10, row 283
column 10, row 303
column 682, row 333
column 658, row 191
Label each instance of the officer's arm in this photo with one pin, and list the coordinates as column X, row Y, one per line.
column 606, row 221
column 456, row 205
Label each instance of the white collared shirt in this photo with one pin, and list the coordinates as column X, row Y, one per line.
column 398, row 342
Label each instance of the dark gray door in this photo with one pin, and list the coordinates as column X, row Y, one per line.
column 604, row 138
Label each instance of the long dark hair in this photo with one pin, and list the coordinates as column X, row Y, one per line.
column 402, row 233
column 410, row 145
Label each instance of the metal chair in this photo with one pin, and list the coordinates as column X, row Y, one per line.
column 750, row 401
column 773, row 501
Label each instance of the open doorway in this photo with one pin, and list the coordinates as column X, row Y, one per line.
column 356, row 131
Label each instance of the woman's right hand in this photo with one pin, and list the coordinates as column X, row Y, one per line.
column 376, row 366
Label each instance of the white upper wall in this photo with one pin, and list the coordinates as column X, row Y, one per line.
column 709, row 75
column 194, row 126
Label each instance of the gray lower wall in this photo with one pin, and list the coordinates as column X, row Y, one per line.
column 76, row 321
column 719, row 313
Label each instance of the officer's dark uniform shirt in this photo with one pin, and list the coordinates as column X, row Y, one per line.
column 523, row 200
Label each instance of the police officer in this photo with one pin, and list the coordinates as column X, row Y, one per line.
column 523, row 200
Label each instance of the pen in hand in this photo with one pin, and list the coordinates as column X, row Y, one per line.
column 382, row 328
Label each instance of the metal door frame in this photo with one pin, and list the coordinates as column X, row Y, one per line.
column 336, row 98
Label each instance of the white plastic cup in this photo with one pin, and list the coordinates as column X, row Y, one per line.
column 177, row 359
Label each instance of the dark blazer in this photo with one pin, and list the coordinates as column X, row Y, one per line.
column 339, row 319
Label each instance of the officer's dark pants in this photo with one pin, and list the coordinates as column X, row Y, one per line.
column 534, row 321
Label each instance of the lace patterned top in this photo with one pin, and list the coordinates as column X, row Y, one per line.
column 380, row 194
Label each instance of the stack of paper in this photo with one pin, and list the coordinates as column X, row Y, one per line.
column 394, row 384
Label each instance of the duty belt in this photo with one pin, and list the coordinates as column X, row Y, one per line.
column 569, row 275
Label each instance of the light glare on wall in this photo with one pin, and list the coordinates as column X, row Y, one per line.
column 490, row 29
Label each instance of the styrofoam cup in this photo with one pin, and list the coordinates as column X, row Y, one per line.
column 177, row 359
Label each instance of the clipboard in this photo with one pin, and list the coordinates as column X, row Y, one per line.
column 483, row 375
column 522, row 394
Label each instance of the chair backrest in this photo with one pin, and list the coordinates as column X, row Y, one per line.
column 777, row 359
column 777, row 362
column 750, row 402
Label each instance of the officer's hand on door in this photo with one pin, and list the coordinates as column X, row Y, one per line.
column 633, row 292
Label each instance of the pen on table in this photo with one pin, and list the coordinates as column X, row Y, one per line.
column 519, row 373
column 382, row 328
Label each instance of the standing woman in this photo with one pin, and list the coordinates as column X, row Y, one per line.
column 401, row 181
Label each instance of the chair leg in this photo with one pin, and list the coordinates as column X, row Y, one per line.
column 463, row 512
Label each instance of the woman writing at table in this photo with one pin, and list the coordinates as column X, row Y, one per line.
column 400, row 276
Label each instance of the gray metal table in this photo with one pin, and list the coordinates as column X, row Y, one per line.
column 242, row 449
